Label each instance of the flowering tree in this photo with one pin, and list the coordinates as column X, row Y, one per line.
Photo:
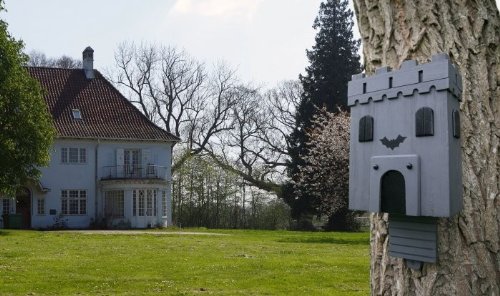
column 325, row 175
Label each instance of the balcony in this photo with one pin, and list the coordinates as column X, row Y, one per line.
column 120, row 172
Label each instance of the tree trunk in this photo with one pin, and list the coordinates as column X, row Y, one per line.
column 468, row 244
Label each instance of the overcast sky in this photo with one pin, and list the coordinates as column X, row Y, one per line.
column 264, row 39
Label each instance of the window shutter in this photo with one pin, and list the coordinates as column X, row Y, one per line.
column 119, row 162
column 366, row 129
column 424, row 122
column 146, row 161
column 456, row 123
column 146, row 156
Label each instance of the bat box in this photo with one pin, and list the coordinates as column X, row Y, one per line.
column 405, row 155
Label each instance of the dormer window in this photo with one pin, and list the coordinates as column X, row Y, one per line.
column 77, row 114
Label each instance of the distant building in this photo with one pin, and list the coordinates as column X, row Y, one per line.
column 109, row 163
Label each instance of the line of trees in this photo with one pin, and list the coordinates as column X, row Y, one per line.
column 242, row 128
column 39, row 59
column 206, row 195
column 234, row 152
column 246, row 150
column 261, row 137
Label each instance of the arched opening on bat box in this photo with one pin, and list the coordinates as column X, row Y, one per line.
column 393, row 193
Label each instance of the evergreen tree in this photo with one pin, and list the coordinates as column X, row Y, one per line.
column 26, row 129
column 333, row 59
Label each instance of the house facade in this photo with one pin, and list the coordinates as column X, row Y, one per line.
column 110, row 165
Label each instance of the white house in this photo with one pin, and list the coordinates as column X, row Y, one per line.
column 109, row 163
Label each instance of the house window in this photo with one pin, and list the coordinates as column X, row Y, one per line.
column 141, row 203
column 6, row 206
column 73, row 155
column 144, row 202
column 114, row 204
column 77, row 114
column 40, row 206
column 164, row 203
column 64, row 155
column 424, row 122
column 83, row 155
column 131, row 163
column 366, row 129
column 150, row 170
column 74, row 202
column 149, row 203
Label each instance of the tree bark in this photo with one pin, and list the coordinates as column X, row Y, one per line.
column 468, row 243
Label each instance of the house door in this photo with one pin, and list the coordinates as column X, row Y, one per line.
column 131, row 163
column 23, row 206
column 393, row 193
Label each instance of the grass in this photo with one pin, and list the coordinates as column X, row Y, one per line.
column 240, row 262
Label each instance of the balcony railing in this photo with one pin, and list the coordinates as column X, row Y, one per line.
column 134, row 172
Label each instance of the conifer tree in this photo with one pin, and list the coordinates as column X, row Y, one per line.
column 333, row 59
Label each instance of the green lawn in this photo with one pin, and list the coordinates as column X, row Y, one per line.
column 241, row 262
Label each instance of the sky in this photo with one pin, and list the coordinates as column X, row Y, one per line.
column 264, row 40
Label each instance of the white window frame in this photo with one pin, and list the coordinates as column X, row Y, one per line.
column 164, row 203
column 73, row 155
column 144, row 202
column 77, row 114
column 132, row 162
column 7, row 206
column 141, row 207
column 40, row 206
column 72, row 199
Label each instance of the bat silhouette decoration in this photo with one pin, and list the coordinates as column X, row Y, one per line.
column 392, row 143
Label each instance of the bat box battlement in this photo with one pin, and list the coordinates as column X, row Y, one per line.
column 411, row 78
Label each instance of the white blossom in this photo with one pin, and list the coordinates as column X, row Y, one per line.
column 325, row 175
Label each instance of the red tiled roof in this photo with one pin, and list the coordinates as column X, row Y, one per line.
column 106, row 114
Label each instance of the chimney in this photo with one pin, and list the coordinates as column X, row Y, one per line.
column 88, row 62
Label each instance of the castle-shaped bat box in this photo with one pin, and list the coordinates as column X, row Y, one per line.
column 405, row 155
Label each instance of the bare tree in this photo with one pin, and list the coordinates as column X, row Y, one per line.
column 240, row 128
column 468, row 243
column 256, row 148
column 177, row 92
column 281, row 104
column 39, row 59
column 238, row 149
